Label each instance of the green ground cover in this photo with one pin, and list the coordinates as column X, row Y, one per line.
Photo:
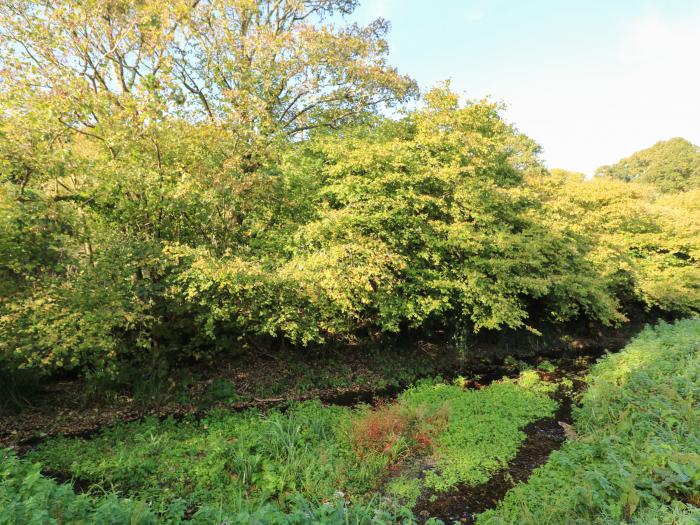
column 28, row 498
column 484, row 429
column 637, row 457
column 310, row 456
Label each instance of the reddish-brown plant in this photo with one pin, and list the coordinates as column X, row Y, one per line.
column 379, row 430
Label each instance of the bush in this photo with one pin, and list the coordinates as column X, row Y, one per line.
column 397, row 428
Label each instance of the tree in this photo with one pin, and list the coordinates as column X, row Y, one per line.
column 137, row 127
column 441, row 197
column 671, row 166
column 645, row 246
column 263, row 66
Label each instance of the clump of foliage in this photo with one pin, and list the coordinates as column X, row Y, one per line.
column 397, row 428
column 179, row 179
column 637, row 455
column 671, row 166
column 644, row 245
column 28, row 497
column 405, row 489
column 499, row 411
column 194, row 175
column 148, row 138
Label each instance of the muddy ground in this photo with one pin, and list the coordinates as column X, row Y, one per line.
column 463, row 503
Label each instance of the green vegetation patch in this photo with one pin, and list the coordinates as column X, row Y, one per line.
column 637, row 457
column 241, row 462
column 232, row 461
column 484, row 427
column 27, row 497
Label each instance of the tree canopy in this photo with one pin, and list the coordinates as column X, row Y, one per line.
column 671, row 166
column 182, row 178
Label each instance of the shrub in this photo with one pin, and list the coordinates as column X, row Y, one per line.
column 397, row 428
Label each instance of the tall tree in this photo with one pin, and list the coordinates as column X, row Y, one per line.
column 671, row 165
column 270, row 66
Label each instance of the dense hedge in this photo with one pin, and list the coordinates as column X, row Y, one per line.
column 443, row 219
column 143, row 218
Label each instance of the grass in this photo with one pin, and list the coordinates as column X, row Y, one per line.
column 637, row 457
column 229, row 461
column 238, row 463
column 28, row 498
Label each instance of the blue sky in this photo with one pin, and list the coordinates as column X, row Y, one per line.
column 591, row 81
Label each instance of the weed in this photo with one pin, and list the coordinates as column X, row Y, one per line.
column 220, row 391
column 397, row 429
column 405, row 490
column 546, row 366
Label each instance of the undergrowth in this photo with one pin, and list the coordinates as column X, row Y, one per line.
column 232, row 461
column 484, row 428
column 241, row 462
column 28, row 498
column 637, row 457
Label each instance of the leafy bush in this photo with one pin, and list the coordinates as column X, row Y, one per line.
column 26, row 497
column 638, row 453
column 420, row 223
column 644, row 245
column 444, row 192
column 150, row 221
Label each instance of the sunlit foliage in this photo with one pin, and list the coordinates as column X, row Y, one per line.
column 637, row 455
column 671, row 166
column 177, row 178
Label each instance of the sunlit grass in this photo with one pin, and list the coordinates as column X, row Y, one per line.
column 638, row 453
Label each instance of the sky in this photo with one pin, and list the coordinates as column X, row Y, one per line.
column 591, row 81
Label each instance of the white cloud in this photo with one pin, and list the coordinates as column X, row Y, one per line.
column 474, row 14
